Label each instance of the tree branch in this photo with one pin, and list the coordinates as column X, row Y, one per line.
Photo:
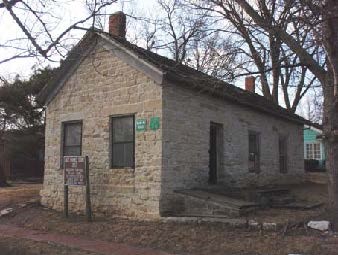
column 304, row 56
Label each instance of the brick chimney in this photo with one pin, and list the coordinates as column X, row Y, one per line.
column 250, row 84
column 117, row 24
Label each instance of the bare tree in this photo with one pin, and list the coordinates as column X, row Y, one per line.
column 314, row 106
column 189, row 38
column 215, row 56
column 180, row 28
column 276, row 66
column 39, row 26
column 40, row 38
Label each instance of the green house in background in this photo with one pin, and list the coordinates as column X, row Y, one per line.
column 313, row 144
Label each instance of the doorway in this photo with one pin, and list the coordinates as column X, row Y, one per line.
column 215, row 151
column 282, row 142
column 254, row 152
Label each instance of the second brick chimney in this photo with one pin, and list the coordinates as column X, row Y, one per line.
column 117, row 24
column 250, row 84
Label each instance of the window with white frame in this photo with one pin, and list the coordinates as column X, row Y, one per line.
column 313, row 151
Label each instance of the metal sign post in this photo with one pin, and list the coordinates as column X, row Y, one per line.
column 76, row 173
column 88, row 202
column 65, row 199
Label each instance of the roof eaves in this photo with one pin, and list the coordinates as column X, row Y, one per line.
column 218, row 91
column 133, row 59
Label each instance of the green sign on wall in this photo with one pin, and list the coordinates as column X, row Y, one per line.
column 141, row 125
column 154, row 123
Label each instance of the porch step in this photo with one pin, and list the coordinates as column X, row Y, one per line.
column 274, row 197
column 300, row 205
column 273, row 192
column 281, row 200
column 201, row 202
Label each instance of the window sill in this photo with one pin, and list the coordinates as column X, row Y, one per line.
column 129, row 169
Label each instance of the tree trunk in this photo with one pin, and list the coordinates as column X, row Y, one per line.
column 3, row 182
column 330, row 122
column 332, row 162
column 330, row 128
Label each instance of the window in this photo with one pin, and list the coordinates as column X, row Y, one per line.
column 72, row 139
column 282, row 144
column 123, row 140
column 313, row 151
column 254, row 151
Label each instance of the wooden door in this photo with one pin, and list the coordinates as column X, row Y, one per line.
column 213, row 153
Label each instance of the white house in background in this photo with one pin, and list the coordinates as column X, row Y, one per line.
column 313, row 144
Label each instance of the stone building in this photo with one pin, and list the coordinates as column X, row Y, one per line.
column 151, row 126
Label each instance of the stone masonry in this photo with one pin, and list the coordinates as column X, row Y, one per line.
column 103, row 86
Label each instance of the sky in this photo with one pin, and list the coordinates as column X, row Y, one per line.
column 69, row 12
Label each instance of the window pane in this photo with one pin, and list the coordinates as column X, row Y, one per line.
column 308, row 151
column 313, row 151
column 129, row 154
column 72, row 134
column 282, row 164
column 123, row 155
column 282, row 146
column 282, row 155
column 317, row 151
column 123, row 129
column 72, row 151
column 118, row 155
column 253, row 152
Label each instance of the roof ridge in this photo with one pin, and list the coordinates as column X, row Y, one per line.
column 122, row 40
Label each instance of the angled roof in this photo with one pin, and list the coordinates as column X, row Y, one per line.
column 171, row 71
column 313, row 125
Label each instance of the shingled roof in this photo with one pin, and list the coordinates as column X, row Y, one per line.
column 176, row 73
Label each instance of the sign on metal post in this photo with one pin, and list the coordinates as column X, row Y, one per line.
column 75, row 170
column 76, row 173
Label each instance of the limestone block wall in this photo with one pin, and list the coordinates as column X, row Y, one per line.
column 186, row 123
column 103, row 86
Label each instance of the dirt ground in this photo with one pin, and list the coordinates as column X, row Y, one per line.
column 178, row 237
column 13, row 246
column 18, row 193
column 305, row 192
